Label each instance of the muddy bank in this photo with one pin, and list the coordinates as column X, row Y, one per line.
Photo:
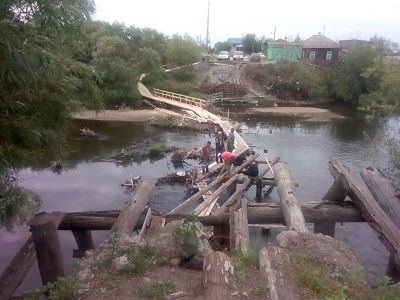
column 311, row 114
column 141, row 115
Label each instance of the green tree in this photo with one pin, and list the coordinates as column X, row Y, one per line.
column 40, row 84
column 384, row 46
column 251, row 44
column 356, row 75
column 222, row 46
column 181, row 51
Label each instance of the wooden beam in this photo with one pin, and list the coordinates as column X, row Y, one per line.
column 16, row 270
column 236, row 196
column 84, row 241
column 387, row 231
column 290, row 205
column 215, row 194
column 266, row 170
column 129, row 217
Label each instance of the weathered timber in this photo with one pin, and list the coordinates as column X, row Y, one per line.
column 239, row 228
column 387, row 231
column 215, row 194
column 274, row 262
column 265, row 213
column 48, row 252
column 218, row 275
column 237, row 195
column 336, row 192
column 146, row 222
column 84, row 241
column 271, row 182
column 290, row 205
column 190, row 201
column 384, row 193
column 16, row 270
column 266, row 170
column 128, row 218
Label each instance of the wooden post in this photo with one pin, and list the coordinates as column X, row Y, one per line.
column 84, row 241
column 129, row 217
column 259, row 188
column 325, row 227
column 47, row 245
column 274, row 262
column 239, row 229
column 16, row 270
column 218, row 275
column 336, row 192
column 290, row 205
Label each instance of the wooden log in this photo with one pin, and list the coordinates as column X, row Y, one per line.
column 384, row 193
column 264, row 182
column 387, row 231
column 259, row 187
column 336, row 192
column 16, row 270
column 274, row 262
column 239, row 228
column 192, row 200
column 84, row 241
column 266, row 170
column 48, row 252
column 185, row 205
column 146, row 223
column 218, row 276
column 237, row 195
column 128, row 218
column 215, row 194
column 290, row 205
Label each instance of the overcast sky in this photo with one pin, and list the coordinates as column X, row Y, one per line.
column 339, row 19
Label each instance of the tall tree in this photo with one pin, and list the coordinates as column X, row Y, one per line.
column 251, row 44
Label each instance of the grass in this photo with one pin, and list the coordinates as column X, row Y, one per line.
column 138, row 260
column 187, row 235
column 157, row 290
column 261, row 290
column 244, row 263
column 65, row 288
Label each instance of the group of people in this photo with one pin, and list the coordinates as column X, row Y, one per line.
column 222, row 154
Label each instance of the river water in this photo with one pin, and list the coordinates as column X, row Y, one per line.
column 93, row 170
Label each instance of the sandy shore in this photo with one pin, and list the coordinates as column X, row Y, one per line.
column 142, row 115
column 311, row 114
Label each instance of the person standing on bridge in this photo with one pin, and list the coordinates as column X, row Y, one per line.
column 205, row 157
column 228, row 158
column 219, row 145
column 230, row 142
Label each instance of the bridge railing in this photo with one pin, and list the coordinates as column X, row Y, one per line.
column 181, row 98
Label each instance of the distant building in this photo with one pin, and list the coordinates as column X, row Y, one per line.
column 235, row 41
column 282, row 50
column 348, row 44
column 320, row 50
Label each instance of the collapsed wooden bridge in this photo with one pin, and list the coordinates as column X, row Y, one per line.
column 230, row 221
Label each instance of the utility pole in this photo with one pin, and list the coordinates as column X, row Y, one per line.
column 274, row 32
column 208, row 24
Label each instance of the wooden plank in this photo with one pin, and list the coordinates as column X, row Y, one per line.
column 236, row 196
column 128, row 218
column 290, row 205
column 387, row 231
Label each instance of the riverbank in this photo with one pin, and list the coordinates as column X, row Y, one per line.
column 310, row 114
column 140, row 115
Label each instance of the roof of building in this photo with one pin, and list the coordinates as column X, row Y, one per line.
column 319, row 41
column 235, row 41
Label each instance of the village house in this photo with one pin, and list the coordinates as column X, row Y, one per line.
column 320, row 50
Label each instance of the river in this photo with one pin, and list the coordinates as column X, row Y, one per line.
column 93, row 170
